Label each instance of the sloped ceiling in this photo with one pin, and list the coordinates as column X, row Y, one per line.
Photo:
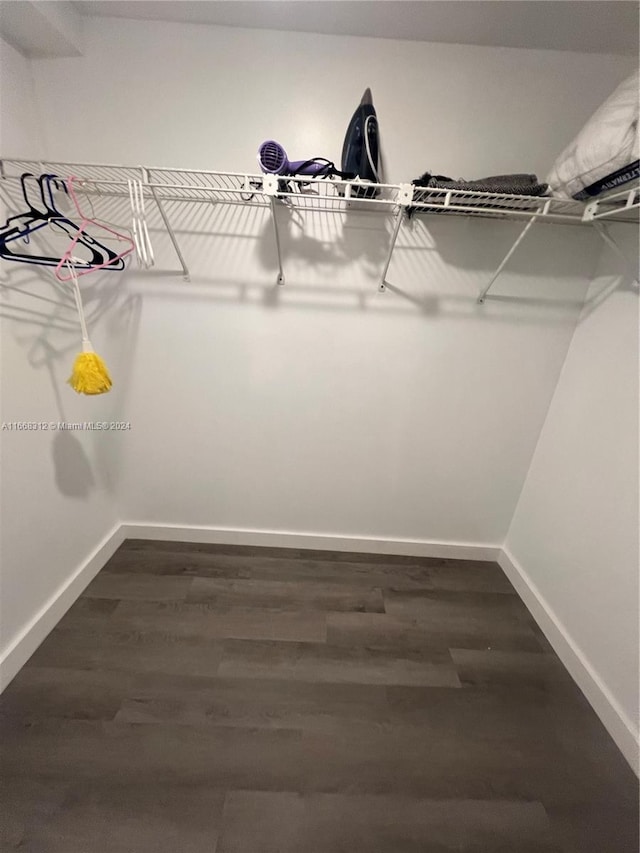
column 602, row 27
column 42, row 29
column 597, row 26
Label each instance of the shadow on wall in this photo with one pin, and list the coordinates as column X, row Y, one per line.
column 335, row 261
column 470, row 243
column 331, row 238
column 438, row 261
column 625, row 281
column 33, row 298
column 330, row 242
column 123, row 324
column 41, row 314
column 73, row 475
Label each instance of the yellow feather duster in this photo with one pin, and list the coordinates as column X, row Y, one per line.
column 89, row 374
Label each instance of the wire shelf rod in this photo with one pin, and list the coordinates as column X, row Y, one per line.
column 483, row 294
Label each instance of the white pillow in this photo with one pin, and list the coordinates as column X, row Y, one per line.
column 605, row 154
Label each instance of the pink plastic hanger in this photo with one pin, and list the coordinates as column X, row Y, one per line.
column 84, row 221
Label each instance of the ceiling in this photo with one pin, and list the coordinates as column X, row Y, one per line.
column 608, row 26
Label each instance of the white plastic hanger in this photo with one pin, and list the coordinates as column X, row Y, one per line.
column 144, row 249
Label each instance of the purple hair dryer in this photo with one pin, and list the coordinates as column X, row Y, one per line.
column 273, row 161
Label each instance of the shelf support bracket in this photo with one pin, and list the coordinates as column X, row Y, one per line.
column 270, row 186
column 483, row 293
column 603, row 231
column 612, row 204
column 174, row 241
column 404, row 199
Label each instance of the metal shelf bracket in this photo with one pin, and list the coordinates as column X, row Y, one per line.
column 403, row 200
column 483, row 293
column 613, row 204
column 174, row 240
column 270, row 187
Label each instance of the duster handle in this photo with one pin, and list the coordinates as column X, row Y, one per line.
column 86, row 343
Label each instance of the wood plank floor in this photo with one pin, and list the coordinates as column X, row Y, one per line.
column 220, row 699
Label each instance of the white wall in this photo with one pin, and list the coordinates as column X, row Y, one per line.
column 55, row 500
column 322, row 407
column 575, row 530
column 205, row 97
column 325, row 407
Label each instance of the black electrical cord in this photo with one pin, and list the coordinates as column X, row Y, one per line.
column 255, row 185
column 328, row 169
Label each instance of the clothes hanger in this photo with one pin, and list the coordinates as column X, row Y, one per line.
column 24, row 224
column 82, row 234
column 32, row 211
column 35, row 218
column 101, row 254
column 31, row 215
column 144, row 249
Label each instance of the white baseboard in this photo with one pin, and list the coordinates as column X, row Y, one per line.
column 314, row 541
column 28, row 640
column 614, row 719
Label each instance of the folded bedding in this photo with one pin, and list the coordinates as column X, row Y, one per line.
column 508, row 184
column 605, row 155
column 516, row 184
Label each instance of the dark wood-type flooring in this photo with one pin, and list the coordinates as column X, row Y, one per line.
column 220, row 699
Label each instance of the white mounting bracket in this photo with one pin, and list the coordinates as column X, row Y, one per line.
column 174, row 240
column 403, row 200
column 590, row 211
column 270, row 187
column 483, row 293
column 405, row 195
column 274, row 219
column 613, row 204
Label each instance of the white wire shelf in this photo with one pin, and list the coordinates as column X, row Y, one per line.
column 619, row 207
column 307, row 193
column 313, row 193
column 190, row 185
